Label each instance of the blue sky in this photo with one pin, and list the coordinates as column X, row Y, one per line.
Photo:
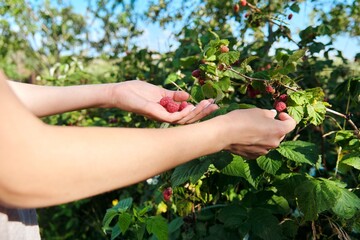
column 156, row 38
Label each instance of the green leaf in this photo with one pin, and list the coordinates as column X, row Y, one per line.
column 248, row 60
column 109, row 216
column 316, row 113
column 175, row 224
column 264, row 224
column 224, row 83
column 296, row 112
column 115, row 232
column 295, row 7
column 123, row 205
column 297, row 54
column 209, row 90
column 315, row 196
column 347, row 204
column 192, row 171
column 210, row 69
column 157, row 225
column 241, row 168
column 270, row 163
column 197, row 93
column 286, row 184
column 299, row 151
column 124, row 222
column 233, row 216
column 188, row 62
column 352, row 159
column 297, row 98
column 229, row 57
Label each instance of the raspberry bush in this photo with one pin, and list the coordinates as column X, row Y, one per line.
column 243, row 54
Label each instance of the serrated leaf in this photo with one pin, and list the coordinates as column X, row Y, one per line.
column 352, row 159
column 315, row 196
column 157, row 225
column 297, row 98
column 241, row 168
column 286, row 184
column 124, row 222
column 207, row 68
column 197, row 93
column 299, row 151
column 224, row 83
column 192, row 170
column 270, row 163
column 316, row 113
column 229, row 57
column 187, row 62
column 296, row 112
column 208, row 90
column 347, row 204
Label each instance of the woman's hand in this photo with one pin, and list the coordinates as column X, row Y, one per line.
column 253, row 132
column 143, row 98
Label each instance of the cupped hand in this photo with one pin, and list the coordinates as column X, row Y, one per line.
column 143, row 98
column 253, row 132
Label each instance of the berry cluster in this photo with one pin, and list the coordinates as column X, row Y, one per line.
column 280, row 100
column 171, row 106
column 280, row 103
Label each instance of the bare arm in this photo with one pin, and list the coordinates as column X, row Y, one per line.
column 42, row 165
column 135, row 96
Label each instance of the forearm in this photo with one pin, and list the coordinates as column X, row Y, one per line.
column 49, row 100
column 67, row 164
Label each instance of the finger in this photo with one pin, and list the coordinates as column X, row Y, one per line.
column 180, row 96
column 192, row 114
column 207, row 110
column 288, row 123
column 271, row 113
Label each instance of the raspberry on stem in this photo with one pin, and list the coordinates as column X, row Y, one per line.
column 283, row 97
column 280, row 106
column 196, row 73
column 167, row 194
column 224, row 49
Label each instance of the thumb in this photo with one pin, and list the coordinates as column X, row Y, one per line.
column 288, row 122
column 180, row 96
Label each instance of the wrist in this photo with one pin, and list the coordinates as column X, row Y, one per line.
column 108, row 95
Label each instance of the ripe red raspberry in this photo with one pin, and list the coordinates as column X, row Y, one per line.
column 196, row 73
column 183, row 105
column 283, row 97
column 236, row 8
column 251, row 92
column 280, row 106
column 172, row 107
column 224, row 49
column 165, row 100
column 167, row 194
column 290, row 16
column 243, row 3
column 269, row 89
